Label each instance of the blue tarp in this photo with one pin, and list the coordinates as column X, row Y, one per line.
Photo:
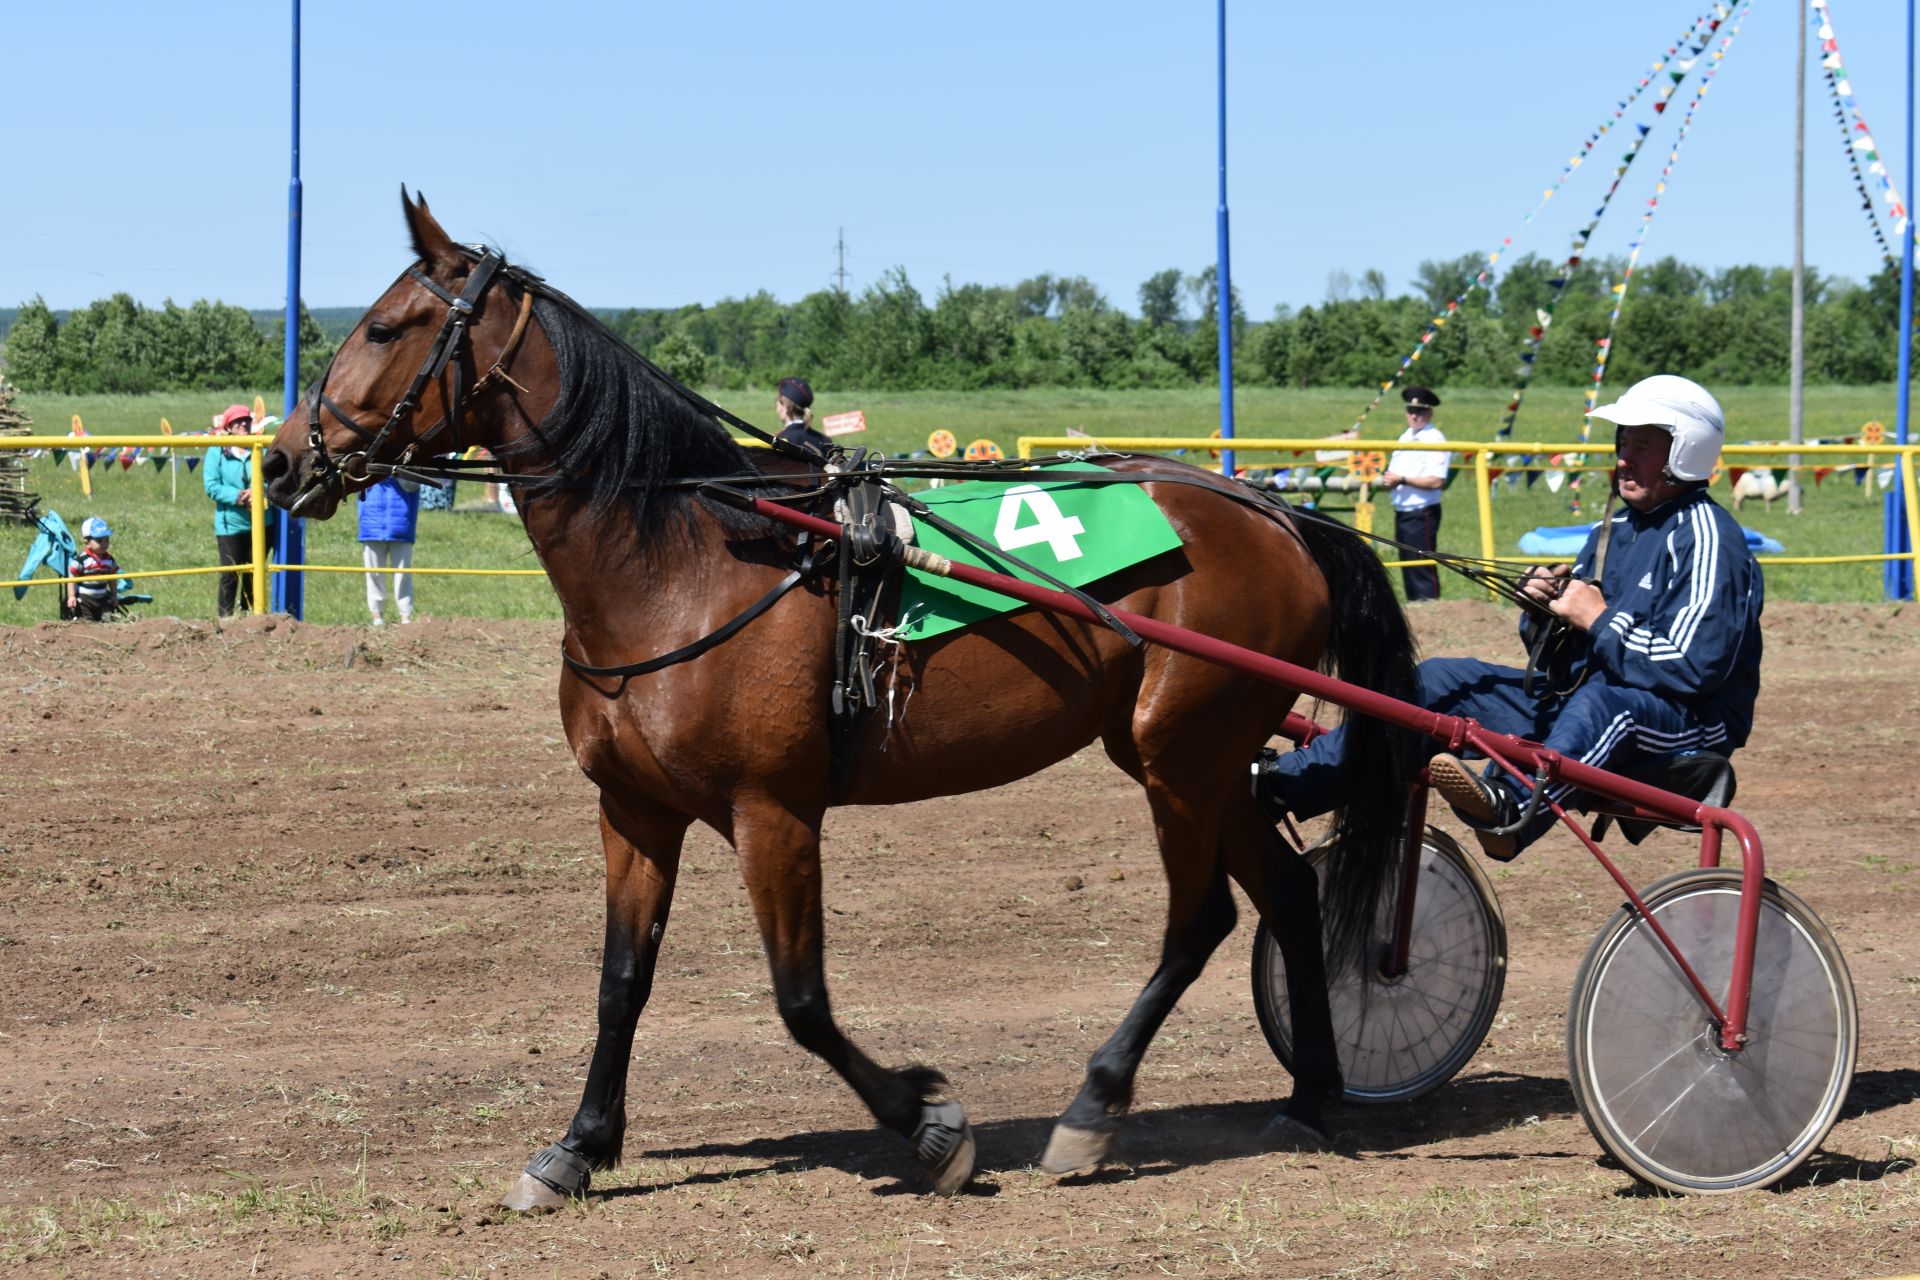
column 1563, row 542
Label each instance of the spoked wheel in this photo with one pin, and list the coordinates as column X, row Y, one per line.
column 1644, row 1055
column 1400, row 1037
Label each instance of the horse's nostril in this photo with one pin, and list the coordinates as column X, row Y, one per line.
column 275, row 465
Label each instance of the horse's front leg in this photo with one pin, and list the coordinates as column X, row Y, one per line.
column 642, row 844
column 780, row 863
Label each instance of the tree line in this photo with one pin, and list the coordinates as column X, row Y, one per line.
column 117, row 345
column 1723, row 327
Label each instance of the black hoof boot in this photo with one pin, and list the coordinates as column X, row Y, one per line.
column 554, row 1176
column 943, row 1142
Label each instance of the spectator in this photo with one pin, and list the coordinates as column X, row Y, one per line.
column 1415, row 478
column 389, row 517
column 227, row 476
column 95, row 599
column 794, row 405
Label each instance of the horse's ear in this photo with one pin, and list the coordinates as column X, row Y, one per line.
column 431, row 243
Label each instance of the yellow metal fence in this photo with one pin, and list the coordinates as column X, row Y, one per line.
column 259, row 566
column 1481, row 452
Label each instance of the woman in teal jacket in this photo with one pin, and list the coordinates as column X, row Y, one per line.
column 227, row 477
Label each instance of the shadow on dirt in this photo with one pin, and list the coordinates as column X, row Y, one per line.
column 1152, row 1143
column 1878, row 1090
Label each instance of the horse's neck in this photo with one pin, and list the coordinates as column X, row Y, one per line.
column 612, row 590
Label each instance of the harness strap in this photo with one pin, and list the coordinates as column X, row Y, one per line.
column 688, row 652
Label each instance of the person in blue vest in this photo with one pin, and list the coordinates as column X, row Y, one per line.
column 389, row 517
column 227, row 477
column 1663, row 606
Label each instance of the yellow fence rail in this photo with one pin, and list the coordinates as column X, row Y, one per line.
column 1481, row 452
column 259, row 567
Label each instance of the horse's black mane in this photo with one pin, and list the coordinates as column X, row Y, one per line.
column 621, row 427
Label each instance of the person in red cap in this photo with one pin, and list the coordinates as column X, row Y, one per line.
column 794, row 404
column 228, row 479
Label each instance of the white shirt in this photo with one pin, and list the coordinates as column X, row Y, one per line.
column 1419, row 462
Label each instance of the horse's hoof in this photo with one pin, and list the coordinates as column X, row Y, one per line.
column 944, row 1143
column 1070, row 1148
column 530, row 1195
column 551, row 1178
column 1286, row 1133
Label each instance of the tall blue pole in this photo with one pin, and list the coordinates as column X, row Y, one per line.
column 1225, row 282
column 1899, row 573
column 290, row 535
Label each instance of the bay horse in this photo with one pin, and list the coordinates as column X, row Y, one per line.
column 601, row 443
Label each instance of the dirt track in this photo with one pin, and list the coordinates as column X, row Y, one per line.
column 300, row 934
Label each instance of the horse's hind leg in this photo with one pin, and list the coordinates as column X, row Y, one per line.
column 1283, row 888
column 780, row 862
column 642, row 843
column 1199, row 917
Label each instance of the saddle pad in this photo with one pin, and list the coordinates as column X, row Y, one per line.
column 1079, row 533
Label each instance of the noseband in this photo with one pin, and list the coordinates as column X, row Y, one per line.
column 442, row 364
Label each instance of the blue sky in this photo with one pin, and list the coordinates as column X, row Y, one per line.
column 653, row 154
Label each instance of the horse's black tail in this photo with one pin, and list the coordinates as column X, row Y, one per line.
column 1369, row 645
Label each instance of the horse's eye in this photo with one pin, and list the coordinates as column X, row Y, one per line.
column 379, row 333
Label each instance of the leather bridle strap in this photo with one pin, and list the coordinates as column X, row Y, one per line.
column 440, row 358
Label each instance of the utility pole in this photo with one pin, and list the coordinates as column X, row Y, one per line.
column 840, row 272
column 1225, row 282
column 1898, row 579
column 1797, row 375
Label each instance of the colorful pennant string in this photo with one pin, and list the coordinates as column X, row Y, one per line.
column 1604, row 348
column 1693, row 41
column 1860, row 144
column 1537, row 335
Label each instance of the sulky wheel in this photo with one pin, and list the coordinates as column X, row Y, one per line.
column 1645, row 1059
column 1401, row 1037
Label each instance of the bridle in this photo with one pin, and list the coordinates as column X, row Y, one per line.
column 442, row 364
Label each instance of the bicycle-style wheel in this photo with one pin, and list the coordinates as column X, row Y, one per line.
column 1644, row 1056
column 1401, row 1037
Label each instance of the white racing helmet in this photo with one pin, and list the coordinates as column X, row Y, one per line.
column 1684, row 410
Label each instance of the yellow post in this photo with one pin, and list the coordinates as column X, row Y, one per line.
column 1913, row 499
column 1483, row 495
column 257, row 534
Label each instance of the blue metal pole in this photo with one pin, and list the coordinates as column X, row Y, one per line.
column 1899, row 573
column 1225, row 281
column 290, row 535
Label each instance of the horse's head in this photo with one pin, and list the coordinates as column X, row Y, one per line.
column 399, row 388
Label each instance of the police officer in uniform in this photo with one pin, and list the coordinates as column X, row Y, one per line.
column 1414, row 479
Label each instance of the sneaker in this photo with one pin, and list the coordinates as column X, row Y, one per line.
column 1478, row 803
column 378, row 621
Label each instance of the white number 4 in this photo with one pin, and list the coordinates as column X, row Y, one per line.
column 1049, row 525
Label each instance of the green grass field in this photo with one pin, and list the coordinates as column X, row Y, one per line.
column 154, row 529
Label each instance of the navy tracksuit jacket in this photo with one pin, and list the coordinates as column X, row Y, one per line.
column 1672, row 666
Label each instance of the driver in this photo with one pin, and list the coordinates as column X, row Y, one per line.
column 1663, row 609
